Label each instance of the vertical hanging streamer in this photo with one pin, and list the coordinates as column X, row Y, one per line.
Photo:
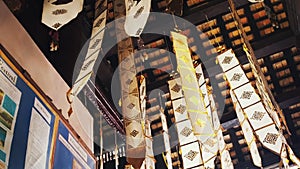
column 93, row 51
column 131, row 110
column 149, row 159
column 116, row 151
column 216, row 142
column 196, row 102
column 101, row 144
column 263, row 89
column 166, row 139
column 189, row 146
column 250, row 109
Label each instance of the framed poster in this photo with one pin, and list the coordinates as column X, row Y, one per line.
column 70, row 153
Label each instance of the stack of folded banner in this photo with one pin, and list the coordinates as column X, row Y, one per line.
column 130, row 96
column 252, row 113
column 93, row 51
column 218, row 139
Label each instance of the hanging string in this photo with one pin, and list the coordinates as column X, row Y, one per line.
column 101, row 143
column 211, row 28
column 172, row 74
column 237, row 26
column 116, row 151
column 176, row 28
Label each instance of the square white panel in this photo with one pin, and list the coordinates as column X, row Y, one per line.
column 134, row 133
column 185, row 132
column 175, row 88
column 236, row 77
column 180, row 109
column 258, row 116
column 246, row 95
column 191, row 156
column 270, row 138
column 227, row 60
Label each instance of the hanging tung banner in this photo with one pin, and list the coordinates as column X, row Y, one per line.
column 94, row 48
column 56, row 15
column 137, row 13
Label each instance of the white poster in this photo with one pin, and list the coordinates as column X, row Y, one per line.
column 10, row 98
column 38, row 141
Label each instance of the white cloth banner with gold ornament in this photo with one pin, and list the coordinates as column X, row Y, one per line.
column 137, row 13
column 56, row 14
column 266, row 100
column 184, row 128
column 192, row 94
column 210, row 147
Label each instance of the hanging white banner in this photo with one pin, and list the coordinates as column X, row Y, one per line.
column 137, row 14
column 91, row 56
column 57, row 15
